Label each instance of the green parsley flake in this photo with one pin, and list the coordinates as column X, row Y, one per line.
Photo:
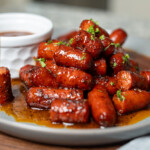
column 42, row 61
column 116, row 45
column 111, row 83
column 92, row 37
column 60, row 43
column 121, row 97
column 96, row 22
column 83, row 57
column 97, row 30
column 114, row 64
column 91, row 30
column 102, row 37
column 125, row 58
column 100, row 91
column 137, row 68
column 71, row 40
column 49, row 42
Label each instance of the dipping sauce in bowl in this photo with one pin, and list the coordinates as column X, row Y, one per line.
column 20, row 36
column 14, row 33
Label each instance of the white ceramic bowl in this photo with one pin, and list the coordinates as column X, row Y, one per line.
column 16, row 52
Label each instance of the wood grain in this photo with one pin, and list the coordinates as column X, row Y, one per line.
column 11, row 143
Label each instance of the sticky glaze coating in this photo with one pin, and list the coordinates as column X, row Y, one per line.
column 41, row 97
column 117, row 62
column 127, row 80
column 68, row 36
column 70, row 77
column 82, row 40
column 69, row 111
column 146, row 74
column 102, row 107
column 85, row 24
column 109, row 83
column 118, row 36
column 108, row 48
column 69, row 57
column 133, row 100
column 100, row 67
column 133, row 66
column 46, row 50
column 5, row 86
column 34, row 76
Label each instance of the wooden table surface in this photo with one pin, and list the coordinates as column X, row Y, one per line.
column 11, row 143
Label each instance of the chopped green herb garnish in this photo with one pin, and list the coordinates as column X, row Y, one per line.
column 114, row 64
column 49, row 70
column 125, row 58
column 97, row 30
column 100, row 91
column 92, row 37
column 49, row 42
column 71, row 40
column 60, row 43
column 117, row 45
column 91, row 30
column 83, row 57
column 137, row 68
column 111, row 83
column 102, row 37
column 121, row 97
column 42, row 61
column 96, row 22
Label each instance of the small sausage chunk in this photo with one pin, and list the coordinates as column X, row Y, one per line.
column 36, row 76
column 133, row 66
column 132, row 100
column 70, row 77
column 102, row 107
column 119, row 61
column 127, row 80
column 69, row 57
column 87, row 24
column 109, row 47
column 109, row 83
column 100, row 67
column 118, row 36
column 47, row 49
column 69, row 111
column 41, row 97
column 87, row 43
column 5, row 86
column 68, row 36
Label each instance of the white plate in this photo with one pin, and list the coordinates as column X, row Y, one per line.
column 79, row 137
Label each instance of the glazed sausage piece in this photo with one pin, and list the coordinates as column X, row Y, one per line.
column 36, row 76
column 100, row 67
column 146, row 74
column 109, row 47
column 5, row 86
column 127, row 80
column 69, row 57
column 133, row 66
column 132, row 100
column 68, row 36
column 69, row 111
column 87, row 43
column 70, row 77
column 118, row 36
column 119, row 61
column 109, row 83
column 41, row 97
column 102, row 107
column 47, row 49
column 86, row 24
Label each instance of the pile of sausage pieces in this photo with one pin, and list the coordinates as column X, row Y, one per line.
column 86, row 74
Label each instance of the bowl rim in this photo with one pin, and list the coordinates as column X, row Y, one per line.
column 29, row 39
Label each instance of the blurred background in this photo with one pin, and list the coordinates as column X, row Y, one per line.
column 132, row 15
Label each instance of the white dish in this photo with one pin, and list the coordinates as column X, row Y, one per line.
column 79, row 137
column 18, row 51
